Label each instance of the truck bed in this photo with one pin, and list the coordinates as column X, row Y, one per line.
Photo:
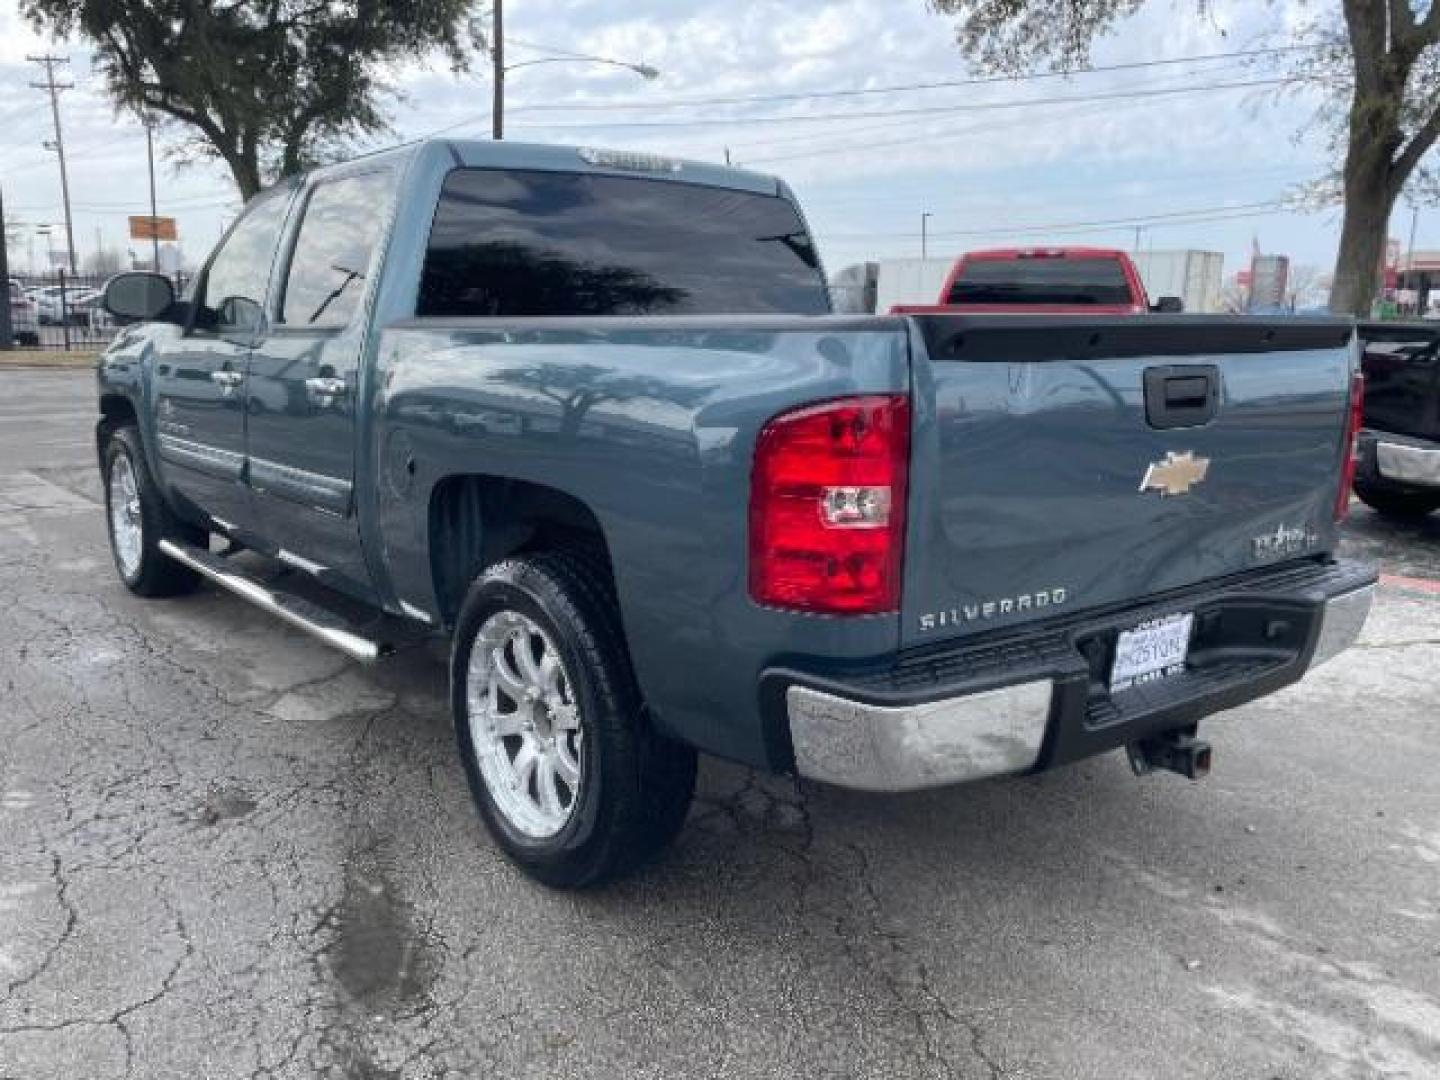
column 1030, row 442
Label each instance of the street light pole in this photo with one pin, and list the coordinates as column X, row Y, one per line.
column 497, row 56
column 1410, row 251
column 7, row 339
column 150, row 157
column 924, row 234
column 500, row 68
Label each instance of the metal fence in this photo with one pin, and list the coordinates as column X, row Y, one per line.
column 61, row 312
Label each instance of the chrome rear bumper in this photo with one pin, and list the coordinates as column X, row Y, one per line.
column 1408, row 464
column 1343, row 618
column 996, row 732
column 885, row 748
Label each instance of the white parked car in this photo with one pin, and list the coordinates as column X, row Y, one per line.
column 81, row 306
column 24, row 316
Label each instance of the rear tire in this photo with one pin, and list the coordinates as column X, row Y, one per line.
column 137, row 519
column 1402, row 506
column 541, row 688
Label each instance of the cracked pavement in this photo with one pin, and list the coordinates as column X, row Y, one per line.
column 226, row 851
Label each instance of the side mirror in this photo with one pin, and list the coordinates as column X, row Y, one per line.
column 1168, row 305
column 139, row 296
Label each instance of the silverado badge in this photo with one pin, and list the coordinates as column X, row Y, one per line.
column 1176, row 475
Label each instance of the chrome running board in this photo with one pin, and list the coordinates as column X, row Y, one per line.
column 326, row 625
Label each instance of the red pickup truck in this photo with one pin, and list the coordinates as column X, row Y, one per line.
column 1051, row 281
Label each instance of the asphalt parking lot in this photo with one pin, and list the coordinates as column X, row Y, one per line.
column 226, row 851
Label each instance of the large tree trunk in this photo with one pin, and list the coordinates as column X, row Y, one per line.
column 246, row 171
column 1368, row 202
column 1374, row 137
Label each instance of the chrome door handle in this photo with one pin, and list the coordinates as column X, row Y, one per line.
column 325, row 389
column 228, row 379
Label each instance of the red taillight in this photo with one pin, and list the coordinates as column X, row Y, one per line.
column 1355, row 421
column 827, row 506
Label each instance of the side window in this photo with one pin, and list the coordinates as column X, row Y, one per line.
column 332, row 254
column 234, row 290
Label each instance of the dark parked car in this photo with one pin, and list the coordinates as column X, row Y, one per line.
column 1398, row 469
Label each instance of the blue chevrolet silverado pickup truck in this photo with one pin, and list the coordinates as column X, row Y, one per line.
column 588, row 414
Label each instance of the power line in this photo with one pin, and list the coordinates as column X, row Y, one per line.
column 935, row 110
column 1052, row 232
column 750, row 99
column 48, row 62
column 930, row 134
column 1190, row 216
column 821, row 205
column 812, row 136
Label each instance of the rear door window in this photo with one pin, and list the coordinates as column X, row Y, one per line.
column 520, row 244
column 326, row 281
column 1041, row 280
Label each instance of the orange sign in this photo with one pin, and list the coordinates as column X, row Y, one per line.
column 153, row 228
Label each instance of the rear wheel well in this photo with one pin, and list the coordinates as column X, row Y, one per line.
column 475, row 521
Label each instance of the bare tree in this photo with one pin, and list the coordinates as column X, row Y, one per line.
column 104, row 262
column 1377, row 60
column 1306, row 284
column 267, row 88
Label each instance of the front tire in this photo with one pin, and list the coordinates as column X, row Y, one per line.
column 566, row 773
column 138, row 519
column 1403, row 506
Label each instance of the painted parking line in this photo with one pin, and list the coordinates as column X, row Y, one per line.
column 1411, row 584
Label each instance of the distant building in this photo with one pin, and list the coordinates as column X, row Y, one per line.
column 1269, row 281
column 1417, row 282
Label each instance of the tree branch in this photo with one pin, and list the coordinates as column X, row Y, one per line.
column 1418, row 146
column 1430, row 25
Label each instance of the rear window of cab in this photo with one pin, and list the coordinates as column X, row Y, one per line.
column 508, row 243
column 1041, row 280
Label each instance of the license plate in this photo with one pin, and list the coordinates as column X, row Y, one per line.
column 1153, row 650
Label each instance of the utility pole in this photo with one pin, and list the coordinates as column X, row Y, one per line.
column 1136, row 248
column 7, row 338
column 497, row 56
column 1410, row 251
column 150, row 156
column 49, row 62
column 925, row 234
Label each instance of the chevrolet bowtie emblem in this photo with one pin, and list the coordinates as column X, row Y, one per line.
column 1176, row 475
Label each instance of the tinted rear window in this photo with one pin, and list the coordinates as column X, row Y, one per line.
column 1041, row 281
column 517, row 244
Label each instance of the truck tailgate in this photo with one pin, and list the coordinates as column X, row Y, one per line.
column 1058, row 465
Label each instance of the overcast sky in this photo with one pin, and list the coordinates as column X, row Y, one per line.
column 1056, row 172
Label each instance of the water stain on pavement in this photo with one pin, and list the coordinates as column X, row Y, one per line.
column 376, row 956
column 226, row 804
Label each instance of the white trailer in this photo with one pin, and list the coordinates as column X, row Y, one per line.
column 1194, row 276
column 910, row 281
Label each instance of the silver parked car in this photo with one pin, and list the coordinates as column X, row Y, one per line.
column 24, row 316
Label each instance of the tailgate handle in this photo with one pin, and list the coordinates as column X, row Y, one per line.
column 1182, row 395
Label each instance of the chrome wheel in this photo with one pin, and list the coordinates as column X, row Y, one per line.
column 127, row 529
column 524, row 724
